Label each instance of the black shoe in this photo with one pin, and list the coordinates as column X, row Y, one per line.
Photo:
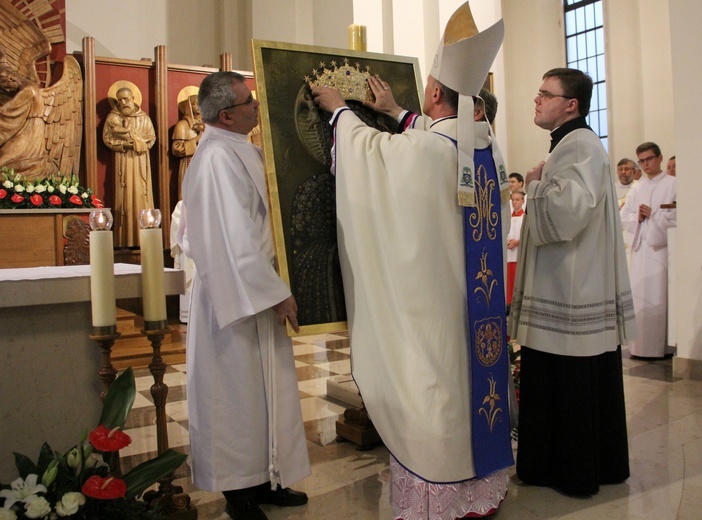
column 280, row 497
column 244, row 509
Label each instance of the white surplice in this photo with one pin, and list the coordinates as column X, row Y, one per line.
column 649, row 260
column 515, row 232
column 622, row 192
column 243, row 405
column 566, row 300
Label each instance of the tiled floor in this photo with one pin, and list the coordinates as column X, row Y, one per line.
column 665, row 444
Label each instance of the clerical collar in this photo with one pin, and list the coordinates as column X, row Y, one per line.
column 559, row 133
column 442, row 119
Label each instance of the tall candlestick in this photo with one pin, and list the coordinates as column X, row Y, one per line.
column 152, row 285
column 357, row 37
column 102, row 269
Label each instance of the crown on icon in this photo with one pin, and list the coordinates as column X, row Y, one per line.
column 352, row 82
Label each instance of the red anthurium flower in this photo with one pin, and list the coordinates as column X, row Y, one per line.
column 17, row 198
column 75, row 199
column 96, row 202
column 104, row 488
column 3, row 193
column 36, row 199
column 55, row 200
column 103, row 439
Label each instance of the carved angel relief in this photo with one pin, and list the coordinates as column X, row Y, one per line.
column 40, row 128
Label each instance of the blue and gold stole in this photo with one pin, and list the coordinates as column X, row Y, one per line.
column 492, row 448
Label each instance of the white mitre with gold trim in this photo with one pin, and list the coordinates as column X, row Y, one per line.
column 462, row 62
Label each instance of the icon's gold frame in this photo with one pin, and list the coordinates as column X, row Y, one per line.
column 279, row 71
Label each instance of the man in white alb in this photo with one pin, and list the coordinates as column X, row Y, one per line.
column 643, row 216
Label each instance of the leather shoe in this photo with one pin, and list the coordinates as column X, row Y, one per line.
column 244, row 509
column 283, row 497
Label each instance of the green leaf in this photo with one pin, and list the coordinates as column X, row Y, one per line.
column 147, row 473
column 25, row 466
column 118, row 401
column 46, row 455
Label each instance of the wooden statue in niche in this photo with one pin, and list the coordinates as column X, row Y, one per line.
column 129, row 133
column 187, row 131
column 41, row 128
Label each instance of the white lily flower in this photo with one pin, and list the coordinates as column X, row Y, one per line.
column 21, row 490
column 40, row 188
column 73, row 190
column 50, row 189
column 8, row 184
column 30, row 188
column 19, row 188
column 62, row 188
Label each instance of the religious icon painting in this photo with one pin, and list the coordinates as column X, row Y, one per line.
column 297, row 142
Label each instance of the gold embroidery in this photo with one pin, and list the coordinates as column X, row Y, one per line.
column 485, row 218
column 492, row 411
column 488, row 341
column 484, row 276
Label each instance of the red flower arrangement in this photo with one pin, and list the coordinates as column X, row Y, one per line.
column 106, row 488
column 49, row 192
column 78, row 483
column 106, row 440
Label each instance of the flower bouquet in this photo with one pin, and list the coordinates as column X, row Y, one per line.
column 79, row 484
column 49, row 192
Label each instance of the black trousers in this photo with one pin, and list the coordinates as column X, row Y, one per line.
column 572, row 421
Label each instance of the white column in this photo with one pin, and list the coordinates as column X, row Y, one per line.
column 686, row 42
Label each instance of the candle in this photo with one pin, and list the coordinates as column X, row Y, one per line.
column 152, row 287
column 357, row 37
column 102, row 269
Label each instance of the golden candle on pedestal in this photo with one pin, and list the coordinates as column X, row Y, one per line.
column 102, row 269
column 357, row 37
column 152, row 285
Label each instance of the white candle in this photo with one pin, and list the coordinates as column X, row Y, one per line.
column 102, row 270
column 152, row 288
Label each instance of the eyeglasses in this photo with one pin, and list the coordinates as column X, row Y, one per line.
column 249, row 101
column 644, row 160
column 541, row 94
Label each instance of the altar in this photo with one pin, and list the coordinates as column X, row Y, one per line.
column 48, row 381
column 36, row 237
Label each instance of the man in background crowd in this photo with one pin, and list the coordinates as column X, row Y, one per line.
column 643, row 216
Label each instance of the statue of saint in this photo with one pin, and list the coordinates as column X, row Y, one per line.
column 130, row 134
column 187, row 131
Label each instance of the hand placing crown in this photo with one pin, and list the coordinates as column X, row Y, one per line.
column 351, row 81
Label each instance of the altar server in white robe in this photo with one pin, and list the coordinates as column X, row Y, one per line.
column 644, row 218
column 572, row 307
column 402, row 254
column 246, row 433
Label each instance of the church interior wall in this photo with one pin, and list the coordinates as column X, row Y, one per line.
column 533, row 44
column 130, row 32
column 640, row 70
column 624, row 67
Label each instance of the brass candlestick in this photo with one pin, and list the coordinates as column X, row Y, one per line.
column 174, row 503
column 106, row 337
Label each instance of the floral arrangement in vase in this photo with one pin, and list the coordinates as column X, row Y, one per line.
column 53, row 192
column 79, row 483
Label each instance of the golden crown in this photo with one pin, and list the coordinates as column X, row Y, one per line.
column 352, row 82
